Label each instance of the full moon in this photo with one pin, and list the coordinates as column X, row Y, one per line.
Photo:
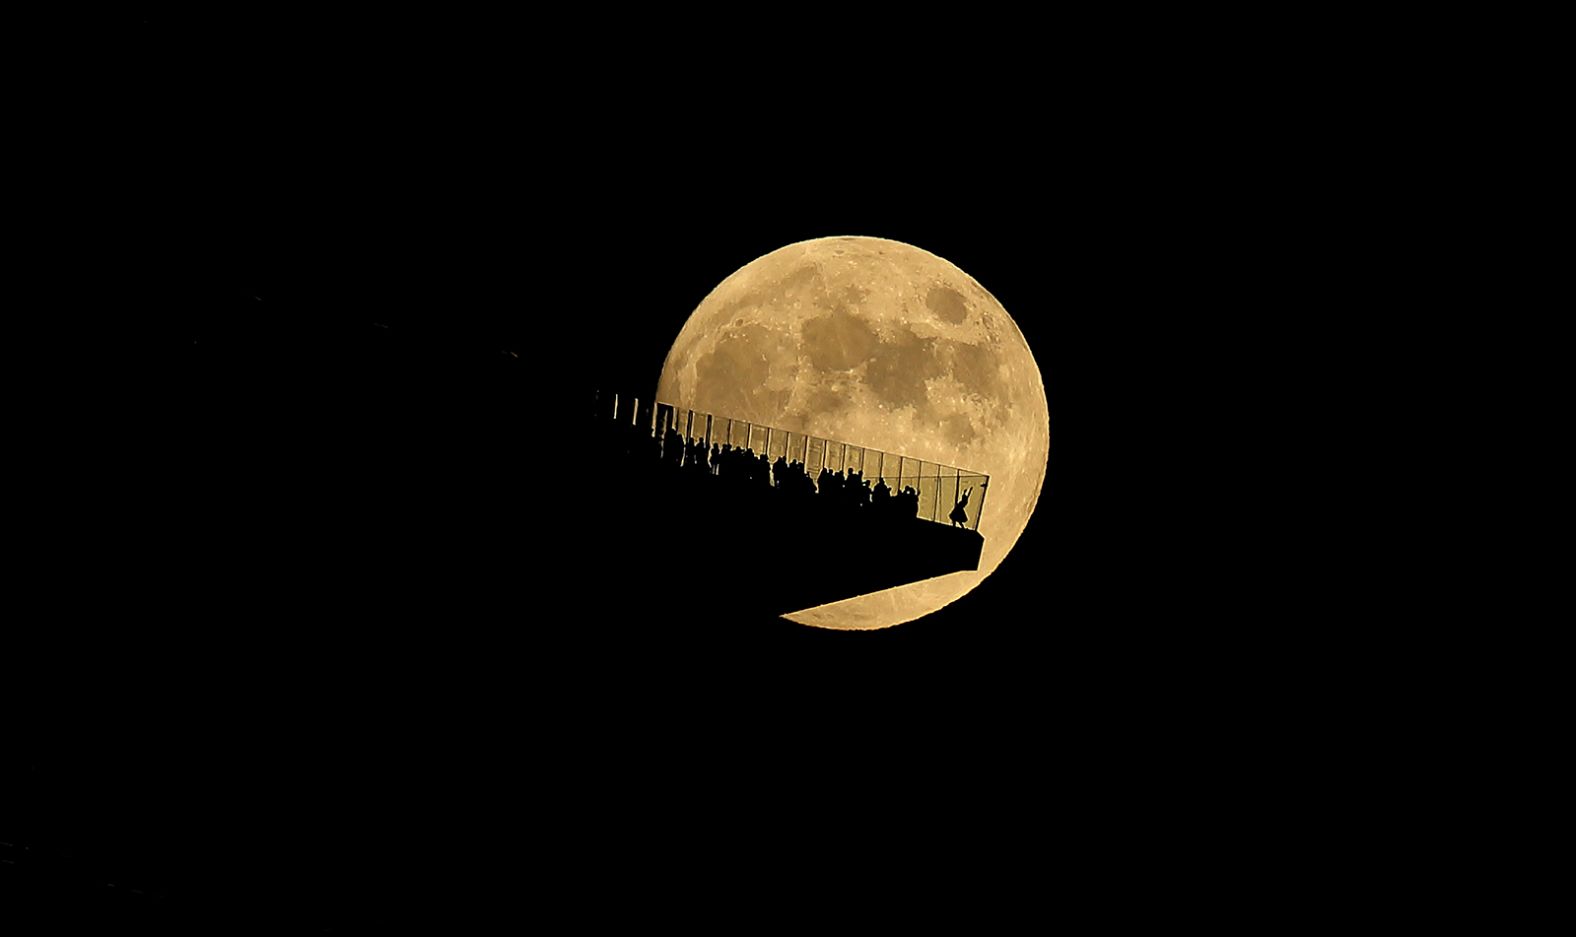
column 879, row 344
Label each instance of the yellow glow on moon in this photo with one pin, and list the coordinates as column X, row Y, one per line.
column 880, row 344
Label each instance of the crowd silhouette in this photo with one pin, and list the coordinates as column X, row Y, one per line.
column 742, row 468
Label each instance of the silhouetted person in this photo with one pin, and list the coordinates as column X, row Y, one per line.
column 960, row 517
column 798, row 480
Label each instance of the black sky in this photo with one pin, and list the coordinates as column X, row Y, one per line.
column 570, row 197
column 302, row 211
column 275, row 205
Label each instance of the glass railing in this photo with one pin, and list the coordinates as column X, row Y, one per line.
column 944, row 494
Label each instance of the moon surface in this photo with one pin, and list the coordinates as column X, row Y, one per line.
column 881, row 344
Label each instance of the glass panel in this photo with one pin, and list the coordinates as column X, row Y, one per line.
column 795, row 446
column 928, row 485
column 817, row 456
column 891, row 475
column 980, row 491
column 778, row 446
column 873, row 462
column 948, row 496
column 757, row 441
column 856, row 459
column 888, row 464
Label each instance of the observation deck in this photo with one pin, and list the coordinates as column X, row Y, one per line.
column 688, row 506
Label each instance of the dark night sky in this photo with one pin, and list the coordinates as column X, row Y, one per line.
column 584, row 249
column 504, row 202
column 270, row 218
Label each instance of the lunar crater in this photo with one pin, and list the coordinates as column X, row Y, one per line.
column 947, row 303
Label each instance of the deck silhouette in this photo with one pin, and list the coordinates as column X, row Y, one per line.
column 748, row 535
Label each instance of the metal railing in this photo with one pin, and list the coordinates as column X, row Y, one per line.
column 941, row 490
